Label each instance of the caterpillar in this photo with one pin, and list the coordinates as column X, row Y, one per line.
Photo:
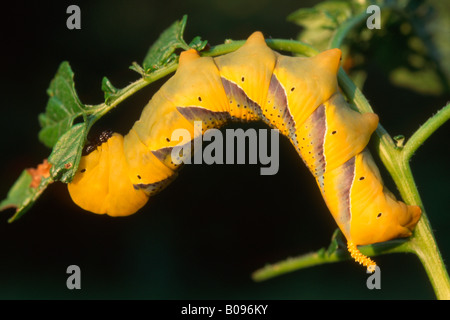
column 296, row 95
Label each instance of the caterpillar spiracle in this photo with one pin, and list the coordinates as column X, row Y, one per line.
column 298, row 96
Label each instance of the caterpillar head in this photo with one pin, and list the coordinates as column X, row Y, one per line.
column 384, row 219
column 376, row 215
column 101, row 183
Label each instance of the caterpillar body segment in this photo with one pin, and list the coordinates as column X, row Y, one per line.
column 299, row 96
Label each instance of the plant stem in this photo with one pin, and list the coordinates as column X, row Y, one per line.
column 345, row 28
column 423, row 241
column 425, row 131
column 223, row 48
column 321, row 257
column 277, row 44
column 396, row 161
column 292, row 264
column 292, row 46
column 128, row 91
column 424, row 245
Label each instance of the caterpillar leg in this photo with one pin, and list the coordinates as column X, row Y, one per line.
column 360, row 258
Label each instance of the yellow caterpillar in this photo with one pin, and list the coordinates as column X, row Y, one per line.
column 299, row 96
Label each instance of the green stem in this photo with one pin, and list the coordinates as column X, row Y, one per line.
column 220, row 49
column 425, row 131
column 422, row 243
column 396, row 161
column 292, row 46
column 277, row 44
column 103, row 108
column 321, row 257
column 292, row 264
column 345, row 28
column 425, row 248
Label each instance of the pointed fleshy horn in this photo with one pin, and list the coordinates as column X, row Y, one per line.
column 360, row 258
column 329, row 59
column 256, row 38
column 371, row 120
column 187, row 56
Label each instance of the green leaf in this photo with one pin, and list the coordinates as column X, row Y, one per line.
column 63, row 106
column 424, row 81
column 320, row 22
column 109, row 90
column 162, row 51
column 337, row 241
column 438, row 27
column 22, row 194
column 324, row 15
column 137, row 68
column 67, row 153
column 311, row 18
column 198, row 44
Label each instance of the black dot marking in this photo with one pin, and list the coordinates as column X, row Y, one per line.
column 361, row 178
column 139, row 177
column 292, row 89
column 379, row 215
column 83, row 170
column 242, row 79
column 167, row 139
column 200, row 99
column 334, row 132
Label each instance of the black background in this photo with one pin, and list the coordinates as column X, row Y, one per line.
column 214, row 225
